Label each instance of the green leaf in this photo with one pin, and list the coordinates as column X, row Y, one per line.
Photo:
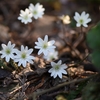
column 96, row 58
column 93, row 40
column 91, row 91
column 74, row 93
column 93, row 37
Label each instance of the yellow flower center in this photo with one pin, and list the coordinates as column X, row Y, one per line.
column 45, row 46
column 26, row 17
column 8, row 51
column 35, row 12
column 81, row 21
column 57, row 67
column 23, row 55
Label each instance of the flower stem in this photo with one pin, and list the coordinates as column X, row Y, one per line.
column 81, row 30
column 66, row 42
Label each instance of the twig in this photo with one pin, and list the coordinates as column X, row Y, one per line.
column 76, row 64
column 19, row 88
column 35, row 94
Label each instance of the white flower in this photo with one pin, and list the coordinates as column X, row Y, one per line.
column 51, row 56
column 57, row 69
column 23, row 56
column 82, row 19
column 8, row 51
column 45, row 46
column 37, row 10
column 25, row 16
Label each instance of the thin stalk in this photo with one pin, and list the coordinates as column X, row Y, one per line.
column 81, row 30
column 67, row 44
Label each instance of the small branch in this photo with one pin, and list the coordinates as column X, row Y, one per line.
column 35, row 94
column 17, row 89
column 76, row 64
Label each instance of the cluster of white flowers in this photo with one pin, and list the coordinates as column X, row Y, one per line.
column 35, row 11
column 23, row 56
column 9, row 52
column 47, row 48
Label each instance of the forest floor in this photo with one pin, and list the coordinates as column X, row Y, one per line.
column 34, row 81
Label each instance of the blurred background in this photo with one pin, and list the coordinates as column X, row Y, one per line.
column 12, row 29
